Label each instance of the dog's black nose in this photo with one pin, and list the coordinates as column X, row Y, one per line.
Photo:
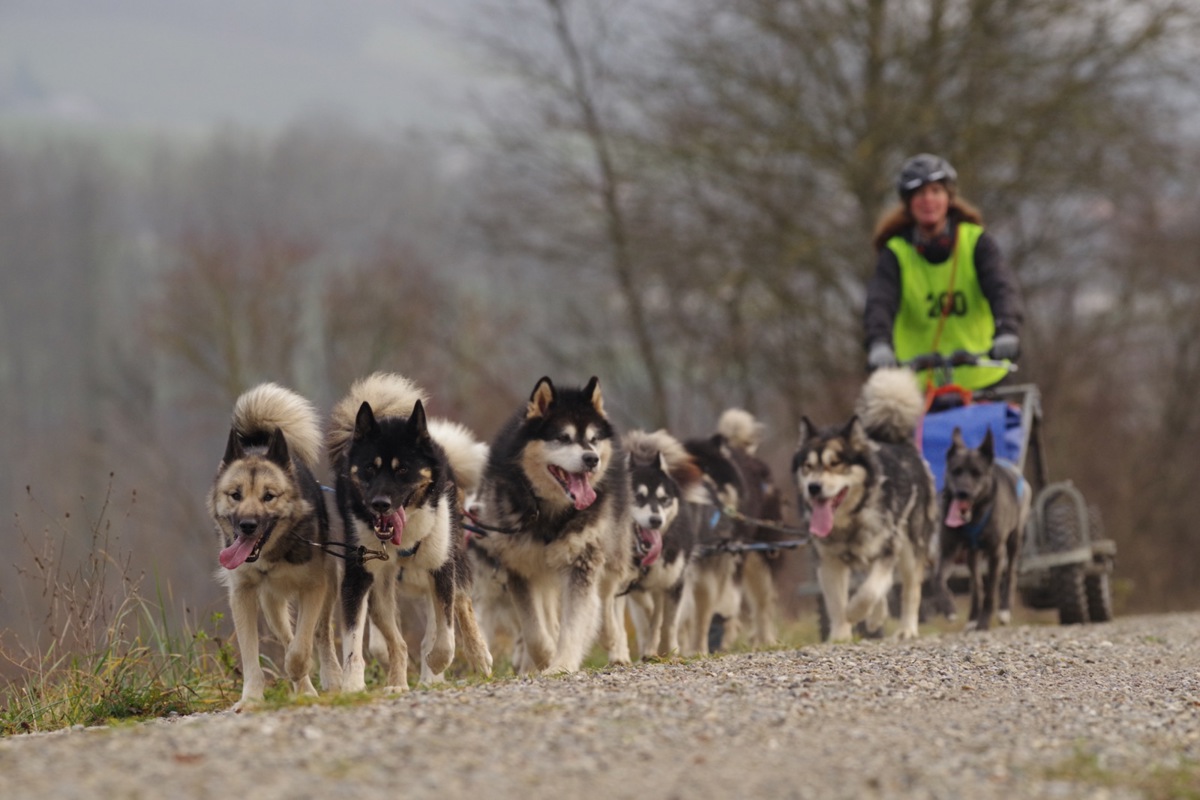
column 814, row 489
column 590, row 460
column 962, row 495
column 381, row 505
column 655, row 521
column 248, row 526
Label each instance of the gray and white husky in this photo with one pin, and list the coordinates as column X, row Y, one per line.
column 398, row 499
column 664, row 478
column 270, row 516
column 556, row 484
column 871, row 503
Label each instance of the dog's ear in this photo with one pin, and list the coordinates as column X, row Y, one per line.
column 365, row 424
column 663, row 466
column 956, row 441
column 541, row 399
column 418, row 425
column 856, row 434
column 277, row 449
column 592, row 392
column 233, row 448
column 988, row 448
column 807, row 431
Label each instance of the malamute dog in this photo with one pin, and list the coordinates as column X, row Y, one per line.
column 663, row 478
column 398, row 499
column 556, row 484
column 986, row 504
column 759, row 499
column 712, row 572
column 871, row 504
column 271, row 519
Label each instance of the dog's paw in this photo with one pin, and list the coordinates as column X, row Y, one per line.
column 354, row 683
column 906, row 633
column 971, row 625
column 399, row 688
column 1004, row 617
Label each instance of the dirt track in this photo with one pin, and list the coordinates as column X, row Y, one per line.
column 1035, row 711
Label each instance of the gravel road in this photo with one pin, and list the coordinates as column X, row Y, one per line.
column 1027, row 712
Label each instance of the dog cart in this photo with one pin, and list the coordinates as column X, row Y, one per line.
column 1065, row 561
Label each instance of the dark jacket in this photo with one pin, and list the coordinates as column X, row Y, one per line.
column 997, row 281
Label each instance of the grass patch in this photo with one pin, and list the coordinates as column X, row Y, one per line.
column 1180, row 781
column 100, row 650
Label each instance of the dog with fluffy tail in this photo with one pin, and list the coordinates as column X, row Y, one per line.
column 872, row 505
column 271, row 518
column 399, row 501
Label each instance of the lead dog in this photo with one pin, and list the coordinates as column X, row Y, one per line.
column 397, row 495
column 271, row 518
column 986, row 504
column 556, row 485
column 871, row 504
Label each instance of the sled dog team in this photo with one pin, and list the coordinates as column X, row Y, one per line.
column 561, row 526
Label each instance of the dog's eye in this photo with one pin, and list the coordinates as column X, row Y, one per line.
column 563, row 438
column 236, row 495
column 268, row 496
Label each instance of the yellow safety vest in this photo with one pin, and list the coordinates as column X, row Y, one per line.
column 925, row 290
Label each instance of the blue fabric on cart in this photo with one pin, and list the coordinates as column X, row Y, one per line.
column 1003, row 419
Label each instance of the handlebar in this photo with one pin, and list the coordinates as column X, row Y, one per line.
column 959, row 358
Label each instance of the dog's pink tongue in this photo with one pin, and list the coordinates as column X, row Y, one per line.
column 236, row 554
column 398, row 519
column 581, row 490
column 954, row 516
column 820, row 521
column 654, row 538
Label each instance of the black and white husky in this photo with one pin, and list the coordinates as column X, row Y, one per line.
column 398, row 499
column 664, row 477
column 556, row 484
column 269, row 513
column 872, row 505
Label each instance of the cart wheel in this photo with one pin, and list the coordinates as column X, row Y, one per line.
column 1070, row 594
column 1064, row 531
column 1099, row 597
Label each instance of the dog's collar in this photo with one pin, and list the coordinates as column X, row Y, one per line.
column 975, row 528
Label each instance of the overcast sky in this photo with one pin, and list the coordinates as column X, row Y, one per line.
column 190, row 65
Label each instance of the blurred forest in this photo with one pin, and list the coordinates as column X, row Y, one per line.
column 675, row 197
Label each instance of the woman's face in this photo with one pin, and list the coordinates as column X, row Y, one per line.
column 929, row 206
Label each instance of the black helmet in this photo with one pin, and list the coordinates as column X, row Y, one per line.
column 922, row 169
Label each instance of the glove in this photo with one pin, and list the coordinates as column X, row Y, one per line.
column 1006, row 347
column 880, row 355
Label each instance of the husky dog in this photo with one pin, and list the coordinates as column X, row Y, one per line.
column 663, row 477
column 986, row 504
column 556, row 484
column 271, row 519
column 871, row 504
column 712, row 590
column 760, row 499
column 398, row 499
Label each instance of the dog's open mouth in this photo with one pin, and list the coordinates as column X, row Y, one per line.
column 959, row 513
column 390, row 527
column 649, row 544
column 577, row 485
column 244, row 550
column 820, row 522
